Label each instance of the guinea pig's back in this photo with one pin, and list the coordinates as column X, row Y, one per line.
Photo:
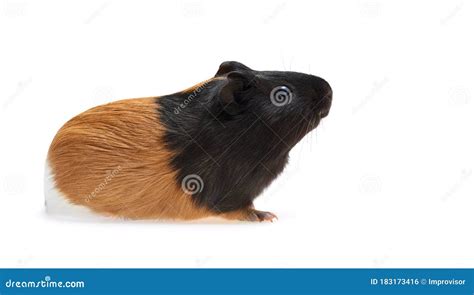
column 112, row 160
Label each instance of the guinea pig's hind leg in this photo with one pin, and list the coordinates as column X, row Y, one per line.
column 250, row 214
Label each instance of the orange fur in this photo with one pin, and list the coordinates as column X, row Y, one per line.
column 112, row 160
column 202, row 84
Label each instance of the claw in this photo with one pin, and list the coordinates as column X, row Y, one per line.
column 264, row 215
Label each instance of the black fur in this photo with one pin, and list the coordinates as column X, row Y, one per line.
column 230, row 133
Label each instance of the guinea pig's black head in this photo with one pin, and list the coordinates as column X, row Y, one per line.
column 290, row 104
column 235, row 130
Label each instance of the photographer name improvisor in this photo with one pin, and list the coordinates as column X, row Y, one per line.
column 44, row 283
column 447, row 282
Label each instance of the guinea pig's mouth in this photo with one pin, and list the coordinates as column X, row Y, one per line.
column 313, row 122
column 326, row 105
column 318, row 115
column 324, row 113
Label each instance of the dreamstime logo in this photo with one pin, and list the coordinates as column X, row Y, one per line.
column 96, row 13
column 452, row 14
column 275, row 12
column 14, row 184
column 192, row 184
column 370, row 185
column 378, row 85
column 190, row 97
column 46, row 282
column 103, row 93
column 378, row 262
column 14, row 8
column 459, row 96
column 281, row 96
column 465, row 176
column 22, row 85
column 370, row 9
column 193, row 9
column 103, row 184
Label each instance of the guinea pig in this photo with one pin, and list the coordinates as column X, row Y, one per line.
column 207, row 151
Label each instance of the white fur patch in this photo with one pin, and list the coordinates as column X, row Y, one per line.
column 58, row 205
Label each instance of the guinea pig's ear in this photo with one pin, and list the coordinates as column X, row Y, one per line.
column 230, row 94
column 231, row 66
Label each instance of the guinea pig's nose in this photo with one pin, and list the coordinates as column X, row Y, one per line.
column 326, row 103
column 322, row 87
column 324, row 112
column 328, row 94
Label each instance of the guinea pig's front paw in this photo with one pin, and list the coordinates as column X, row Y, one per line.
column 249, row 214
column 256, row 215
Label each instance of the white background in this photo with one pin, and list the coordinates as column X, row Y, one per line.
column 385, row 181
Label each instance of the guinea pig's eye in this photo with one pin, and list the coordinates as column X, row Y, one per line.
column 281, row 95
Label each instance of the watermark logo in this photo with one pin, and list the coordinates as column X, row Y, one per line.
column 103, row 184
column 192, row 184
column 46, row 282
column 463, row 179
column 190, row 98
column 281, row 96
column 459, row 96
column 452, row 14
column 21, row 86
column 370, row 184
column 377, row 86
